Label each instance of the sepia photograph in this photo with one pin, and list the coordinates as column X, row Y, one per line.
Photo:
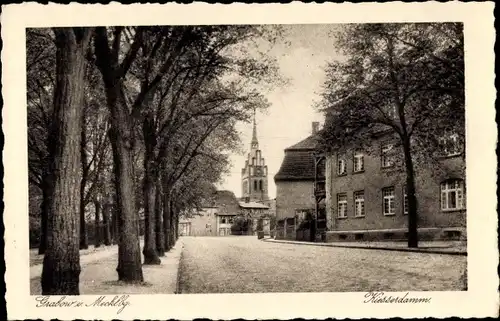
column 149, row 121
column 252, row 158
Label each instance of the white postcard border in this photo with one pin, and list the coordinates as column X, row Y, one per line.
column 480, row 300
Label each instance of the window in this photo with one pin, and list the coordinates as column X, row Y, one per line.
column 359, row 162
column 359, row 204
column 452, row 195
column 451, row 144
column 260, row 185
column 342, row 205
column 341, row 166
column 387, row 156
column 223, row 220
column 254, row 185
column 405, row 200
column 388, row 205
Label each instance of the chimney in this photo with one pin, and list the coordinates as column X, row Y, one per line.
column 315, row 127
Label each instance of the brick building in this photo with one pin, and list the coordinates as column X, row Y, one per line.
column 366, row 200
column 295, row 199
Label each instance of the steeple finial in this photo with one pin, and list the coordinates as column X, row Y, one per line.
column 255, row 142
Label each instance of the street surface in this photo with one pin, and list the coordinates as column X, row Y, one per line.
column 243, row 264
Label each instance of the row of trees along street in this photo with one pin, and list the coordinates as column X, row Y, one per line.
column 405, row 79
column 129, row 120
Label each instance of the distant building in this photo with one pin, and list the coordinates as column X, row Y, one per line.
column 257, row 211
column 199, row 223
column 295, row 183
column 227, row 210
column 254, row 184
column 214, row 218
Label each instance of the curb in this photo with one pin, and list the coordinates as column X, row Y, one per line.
column 370, row 248
column 178, row 276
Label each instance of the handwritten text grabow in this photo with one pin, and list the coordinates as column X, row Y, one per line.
column 381, row 297
column 117, row 301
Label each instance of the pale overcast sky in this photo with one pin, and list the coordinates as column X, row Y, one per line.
column 290, row 116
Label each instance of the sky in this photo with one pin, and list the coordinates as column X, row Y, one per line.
column 302, row 54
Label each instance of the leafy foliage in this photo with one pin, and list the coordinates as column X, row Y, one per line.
column 405, row 78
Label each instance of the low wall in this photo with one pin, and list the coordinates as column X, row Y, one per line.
column 424, row 234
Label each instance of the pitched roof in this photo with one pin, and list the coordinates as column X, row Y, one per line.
column 308, row 143
column 298, row 163
column 226, row 203
column 253, row 205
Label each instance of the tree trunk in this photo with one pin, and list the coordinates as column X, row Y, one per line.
column 129, row 253
column 166, row 218
column 114, row 223
column 177, row 226
column 149, row 188
column 106, row 222
column 122, row 138
column 160, row 236
column 172, row 225
column 61, row 264
column 150, row 255
column 97, row 226
column 412, row 200
column 84, row 243
column 46, row 193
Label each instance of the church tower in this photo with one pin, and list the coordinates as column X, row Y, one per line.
column 254, row 174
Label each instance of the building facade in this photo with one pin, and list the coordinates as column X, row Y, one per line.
column 257, row 211
column 295, row 190
column 366, row 194
column 254, row 184
column 227, row 210
column 214, row 218
column 201, row 223
column 217, row 216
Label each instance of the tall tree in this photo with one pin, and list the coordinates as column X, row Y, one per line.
column 61, row 265
column 94, row 146
column 40, row 69
column 178, row 103
column 84, row 244
column 97, row 223
column 115, row 50
column 122, row 141
column 402, row 78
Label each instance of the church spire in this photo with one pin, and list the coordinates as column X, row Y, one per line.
column 255, row 142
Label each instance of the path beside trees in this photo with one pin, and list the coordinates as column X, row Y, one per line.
column 98, row 274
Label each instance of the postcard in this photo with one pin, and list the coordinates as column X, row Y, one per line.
column 246, row 161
